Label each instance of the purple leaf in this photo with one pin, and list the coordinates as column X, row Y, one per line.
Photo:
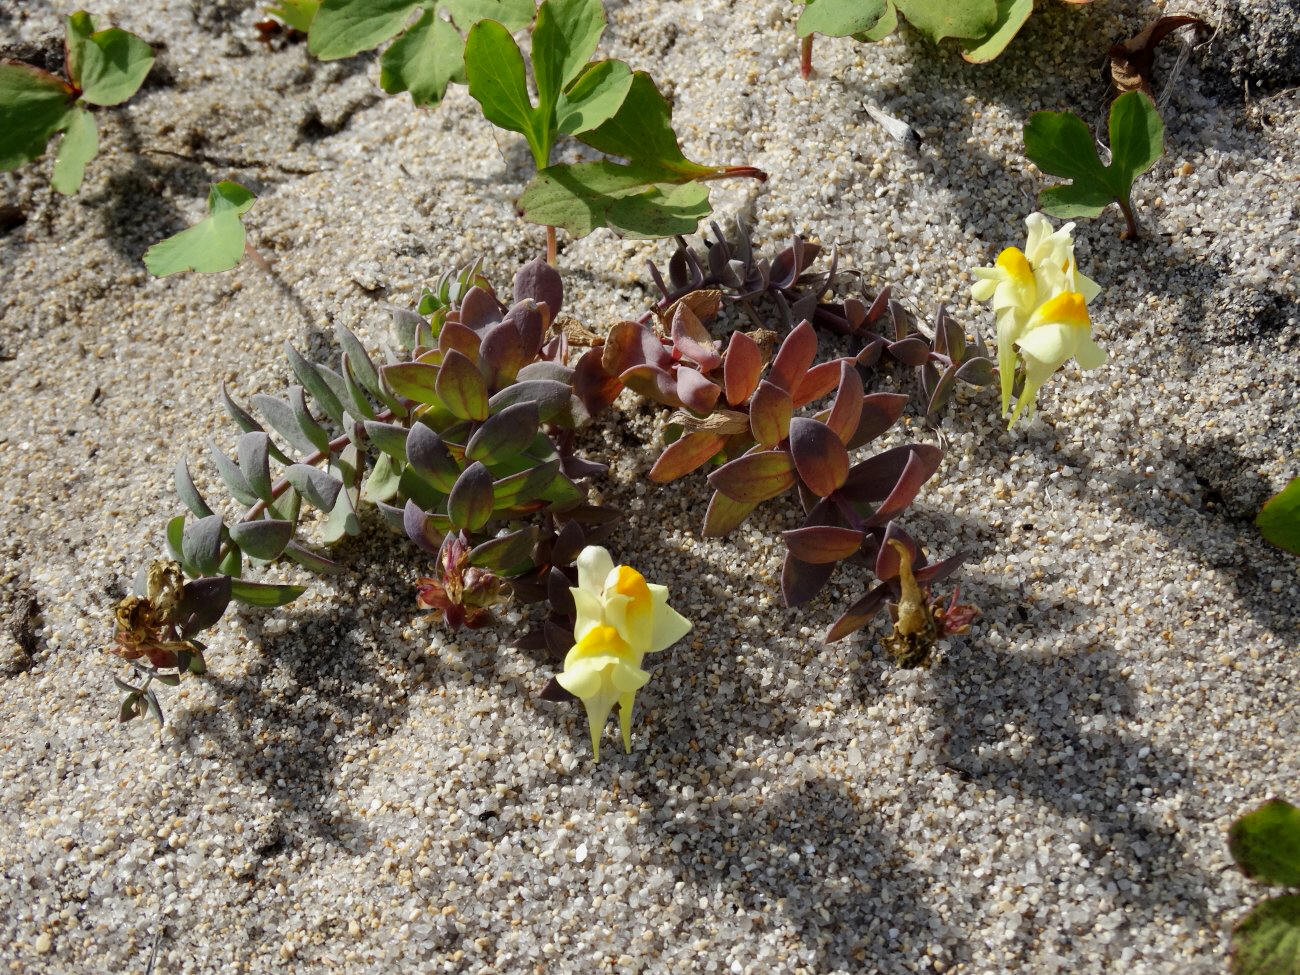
column 819, row 456
column 921, row 465
column 479, row 309
column 880, row 411
column 724, row 514
column 887, row 561
column 823, row 543
column 859, row 614
column 817, row 382
column 693, row 340
column 419, row 529
column 685, row 455
column 504, row 434
column 793, row 358
column 539, row 281
column 696, row 392
column 846, row 409
column 502, row 354
column 801, row 581
column 464, row 340
column 469, row 505
column 461, row 388
column 428, row 455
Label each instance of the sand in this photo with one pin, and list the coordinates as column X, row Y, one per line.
column 354, row 789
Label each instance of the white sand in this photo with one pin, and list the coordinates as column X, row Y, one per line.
column 353, row 790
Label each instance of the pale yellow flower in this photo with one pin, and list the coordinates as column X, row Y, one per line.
column 620, row 619
column 1059, row 330
column 1021, row 282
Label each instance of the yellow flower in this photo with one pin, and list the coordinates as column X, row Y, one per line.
column 1059, row 330
column 620, row 619
column 1021, row 282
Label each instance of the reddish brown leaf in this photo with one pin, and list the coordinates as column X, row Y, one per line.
column 820, row 457
column 653, row 383
column 693, row 340
column 456, row 336
column 629, row 345
column 769, row 414
column 724, row 515
column 920, row 468
column 817, row 382
column 755, row 477
column 502, row 354
column 741, row 367
column 695, row 392
column 793, row 358
column 887, row 556
column 859, row 614
column 593, row 386
column 822, row 543
column 846, row 410
column 684, row 455
column 880, row 411
column 479, row 309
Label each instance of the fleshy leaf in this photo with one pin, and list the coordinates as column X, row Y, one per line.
column 320, row 488
column 428, row 456
column 801, row 581
column 262, row 539
column 823, row 543
column 755, row 477
column 683, row 456
column 819, row 455
column 769, row 414
column 470, row 503
column 504, row 435
column 741, row 367
column 461, row 388
column 793, row 358
column 725, row 514
column 201, row 545
column 264, row 594
column 414, row 380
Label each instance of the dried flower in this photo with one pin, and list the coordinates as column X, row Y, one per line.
column 1023, row 282
column 920, row 622
column 620, row 618
column 144, row 624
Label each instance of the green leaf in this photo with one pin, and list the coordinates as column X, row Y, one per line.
column 384, row 480
column 423, row 61
column 175, row 539
column 33, row 106
column 594, row 97
column 297, row 14
column 470, row 503
column 265, row 594
column 495, row 70
column 1266, row 843
column 1012, row 15
column 413, row 380
column 79, row 28
column 1267, row 940
column 262, row 539
column 79, row 145
column 113, row 65
column 341, row 28
column 1137, row 139
column 1061, row 145
column 1279, row 519
column 564, row 39
column 938, row 19
column 641, row 131
column 342, row 519
column 514, row 14
column 840, row 18
column 633, row 200
column 215, row 243
column 884, row 27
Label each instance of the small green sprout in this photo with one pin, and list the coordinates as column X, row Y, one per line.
column 104, row 68
column 1279, row 520
column 215, row 243
column 1059, row 143
column 1266, row 845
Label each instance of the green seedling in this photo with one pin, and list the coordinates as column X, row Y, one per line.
column 103, row 68
column 1266, row 846
column 1059, row 143
column 215, row 243
column 983, row 28
column 656, row 192
column 1279, row 519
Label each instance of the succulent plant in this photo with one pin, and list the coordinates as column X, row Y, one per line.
column 458, row 442
column 729, row 268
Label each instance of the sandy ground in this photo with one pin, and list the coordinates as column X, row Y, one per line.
column 351, row 789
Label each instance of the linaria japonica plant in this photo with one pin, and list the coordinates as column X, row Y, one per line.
column 733, row 413
column 103, row 67
column 788, row 284
column 462, row 442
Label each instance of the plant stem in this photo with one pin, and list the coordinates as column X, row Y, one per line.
column 550, row 246
column 282, row 485
column 805, row 57
column 726, row 172
column 1131, row 232
column 257, row 257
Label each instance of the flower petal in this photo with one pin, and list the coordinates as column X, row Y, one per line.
column 1089, row 354
column 594, row 564
column 669, row 626
column 590, row 612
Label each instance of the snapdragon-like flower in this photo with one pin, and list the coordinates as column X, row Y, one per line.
column 1059, row 330
column 1020, row 283
column 620, row 618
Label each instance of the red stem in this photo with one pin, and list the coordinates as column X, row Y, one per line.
column 805, row 57
column 550, row 246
